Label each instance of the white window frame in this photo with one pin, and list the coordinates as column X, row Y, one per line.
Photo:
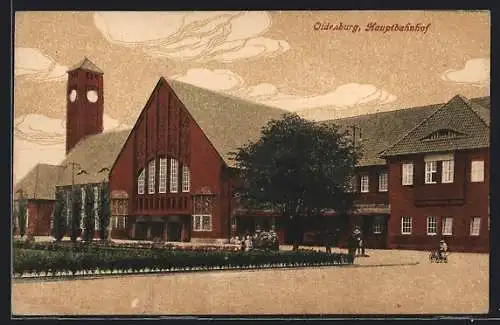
column 141, row 181
column 115, row 222
column 475, row 228
column 430, row 170
column 364, row 183
column 447, row 229
column 96, row 207
column 432, row 226
column 407, row 174
column 162, row 185
column 174, row 175
column 27, row 223
column 82, row 209
column 378, row 225
column 406, row 223
column 68, row 209
column 383, row 182
column 186, row 179
column 477, row 171
column 123, row 223
column 151, row 176
column 198, row 222
column 447, row 171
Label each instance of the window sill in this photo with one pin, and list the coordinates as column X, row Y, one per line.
column 432, row 235
column 383, row 191
column 406, row 234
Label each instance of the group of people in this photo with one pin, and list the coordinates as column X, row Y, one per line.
column 259, row 239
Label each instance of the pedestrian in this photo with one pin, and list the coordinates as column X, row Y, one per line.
column 327, row 239
column 248, row 243
column 351, row 245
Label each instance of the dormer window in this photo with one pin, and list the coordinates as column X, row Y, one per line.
column 443, row 134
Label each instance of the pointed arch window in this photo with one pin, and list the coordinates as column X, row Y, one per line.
column 141, row 180
column 162, row 186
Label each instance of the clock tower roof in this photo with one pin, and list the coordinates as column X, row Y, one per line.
column 86, row 64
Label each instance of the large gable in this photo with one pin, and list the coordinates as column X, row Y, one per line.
column 228, row 122
column 95, row 156
column 39, row 183
column 457, row 125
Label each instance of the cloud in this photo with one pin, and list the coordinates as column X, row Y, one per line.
column 33, row 64
column 197, row 36
column 344, row 97
column 475, row 72
column 45, row 130
column 41, row 139
column 218, row 79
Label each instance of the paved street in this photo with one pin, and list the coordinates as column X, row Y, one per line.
column 387, row 282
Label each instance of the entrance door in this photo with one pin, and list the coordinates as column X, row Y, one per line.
column 174, row 231
column 157, row 229
column 141, row 230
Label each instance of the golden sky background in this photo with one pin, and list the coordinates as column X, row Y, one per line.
column 277, row 58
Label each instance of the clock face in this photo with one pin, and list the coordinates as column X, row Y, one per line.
column 72, row 95
column 92, row 96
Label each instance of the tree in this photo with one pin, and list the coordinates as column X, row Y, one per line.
column 298, row 168
column 76, row 211
column 89, row 220
column 21, row 216
column 59, row 226
column 104, row 211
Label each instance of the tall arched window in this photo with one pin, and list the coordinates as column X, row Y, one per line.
column 141, row 180
column 162, row 186
column 174, row 175
column 151, row 176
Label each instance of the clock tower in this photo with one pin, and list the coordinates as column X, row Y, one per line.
column 85, row 102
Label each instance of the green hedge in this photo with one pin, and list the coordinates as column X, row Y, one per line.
column 83, row 246
column 40, row 262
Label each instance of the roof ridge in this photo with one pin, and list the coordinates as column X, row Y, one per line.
column 384, row 112
column 418, row 125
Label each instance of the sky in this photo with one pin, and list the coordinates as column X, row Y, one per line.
column 322, row 65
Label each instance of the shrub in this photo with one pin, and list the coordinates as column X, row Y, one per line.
column 75, row 259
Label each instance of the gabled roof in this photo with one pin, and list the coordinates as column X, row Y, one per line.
column 95, row 155
column 378, row 131
column 39, row 183
column 459, row 114
column 228, row 122
column 86, row 64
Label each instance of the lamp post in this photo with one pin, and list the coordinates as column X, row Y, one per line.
column 108, row 228
column 74, row 173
